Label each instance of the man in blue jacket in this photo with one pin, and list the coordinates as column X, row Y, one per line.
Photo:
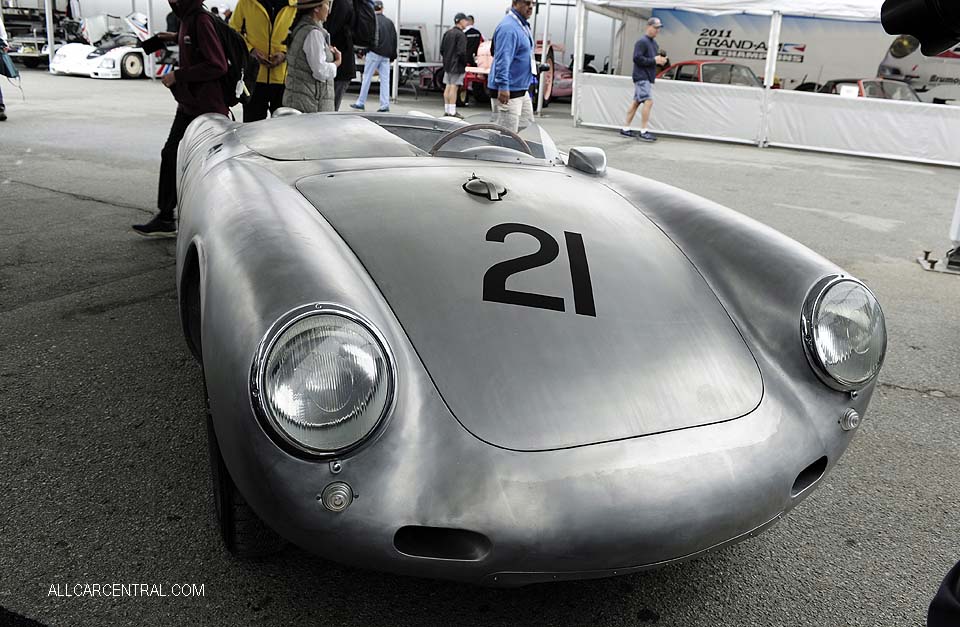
column 646, row 58
column 513, row 68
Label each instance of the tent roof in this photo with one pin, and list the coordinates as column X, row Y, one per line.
column 840, row 9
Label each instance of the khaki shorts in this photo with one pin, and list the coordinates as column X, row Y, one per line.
column 514, row 116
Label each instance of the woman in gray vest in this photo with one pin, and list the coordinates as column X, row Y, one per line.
column 311, row 61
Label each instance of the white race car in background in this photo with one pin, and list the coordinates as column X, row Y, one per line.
column 935, row 79
column 115, row 55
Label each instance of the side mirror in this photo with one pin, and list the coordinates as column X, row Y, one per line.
column 588, row 159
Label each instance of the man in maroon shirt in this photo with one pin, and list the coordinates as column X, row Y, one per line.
column 196, row 88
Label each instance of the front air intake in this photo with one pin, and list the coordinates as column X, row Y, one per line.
column 442, row 543
column 809, row 476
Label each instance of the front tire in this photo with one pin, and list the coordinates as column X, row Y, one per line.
column 131, row 65
column 243, row 533
column 31, row 62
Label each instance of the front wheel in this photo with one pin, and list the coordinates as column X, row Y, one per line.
column 31, row 62
column 243, row 533
column 131, row 66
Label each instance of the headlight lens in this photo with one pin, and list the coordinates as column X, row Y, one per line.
column 326, row 380
column 108, row 63
column 845, row 333
column 903, row 46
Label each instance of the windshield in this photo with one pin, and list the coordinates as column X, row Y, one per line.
column 899, row 91
column 729, row 74
column 478, row 137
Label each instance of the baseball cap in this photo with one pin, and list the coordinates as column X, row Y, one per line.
column 655, row 22
column 378, row 5
column 458, row 17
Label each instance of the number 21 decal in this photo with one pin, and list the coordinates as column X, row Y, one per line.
column 495, row 280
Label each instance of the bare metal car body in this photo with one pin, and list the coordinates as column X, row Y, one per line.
column 523, row 444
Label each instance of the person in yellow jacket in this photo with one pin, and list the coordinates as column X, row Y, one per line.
column 265, row 25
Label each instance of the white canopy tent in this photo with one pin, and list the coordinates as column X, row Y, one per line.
column 638, row 10
column 911, row 131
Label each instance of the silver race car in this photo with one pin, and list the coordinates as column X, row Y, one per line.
column 444, row 349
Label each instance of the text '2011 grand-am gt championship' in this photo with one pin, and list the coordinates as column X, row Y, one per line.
column 443, row 349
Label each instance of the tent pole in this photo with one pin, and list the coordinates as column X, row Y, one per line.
column 543, row 59
column 578, row 44
column 613, row 41
column 769, row 75
column 773, row 49
column 395, row 87
column 440, row 30
column 151, row 59
column 48, row 5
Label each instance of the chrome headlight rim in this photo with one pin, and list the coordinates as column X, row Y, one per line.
column 270, row 424
column 808, row 333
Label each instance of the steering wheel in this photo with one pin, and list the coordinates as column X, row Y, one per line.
column 476, row 127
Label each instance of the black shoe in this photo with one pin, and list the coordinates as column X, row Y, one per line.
column 647, row 137
column 627, row 133
column 158, row 227
column 3, row 114
column 383, row 110
column 454, row 115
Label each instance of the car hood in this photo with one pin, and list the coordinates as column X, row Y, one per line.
column 74, row 53
column 659, row 354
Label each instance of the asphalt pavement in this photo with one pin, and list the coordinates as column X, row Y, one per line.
column 104, row 476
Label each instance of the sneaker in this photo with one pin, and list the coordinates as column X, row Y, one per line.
column 383, row 110
column 456, row 114
column 627, row 133
column 647, row 137
column 3, row 114
column 158, row 227
column 358, row 107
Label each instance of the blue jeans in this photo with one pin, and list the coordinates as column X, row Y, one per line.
column 371, row 62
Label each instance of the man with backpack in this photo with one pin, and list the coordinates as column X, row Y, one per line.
column 198, row 88
column 264, row 24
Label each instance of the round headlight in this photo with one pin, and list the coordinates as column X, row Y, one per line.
column 324, row 381
column 844, row 332
column 904, row 46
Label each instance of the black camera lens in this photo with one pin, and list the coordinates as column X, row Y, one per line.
column 936, row 23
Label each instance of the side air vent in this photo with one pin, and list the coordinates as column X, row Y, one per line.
column 442, row 543
column 809, row 476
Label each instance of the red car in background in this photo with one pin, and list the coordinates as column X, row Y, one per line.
column 558, row 79
column 717, row 72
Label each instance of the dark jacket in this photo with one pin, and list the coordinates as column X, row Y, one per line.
column 340, row 26
column 386, row 37
column 202, row 61
column 474, row 39
column 645, row 52
column 453, row 50
column 945, row 609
